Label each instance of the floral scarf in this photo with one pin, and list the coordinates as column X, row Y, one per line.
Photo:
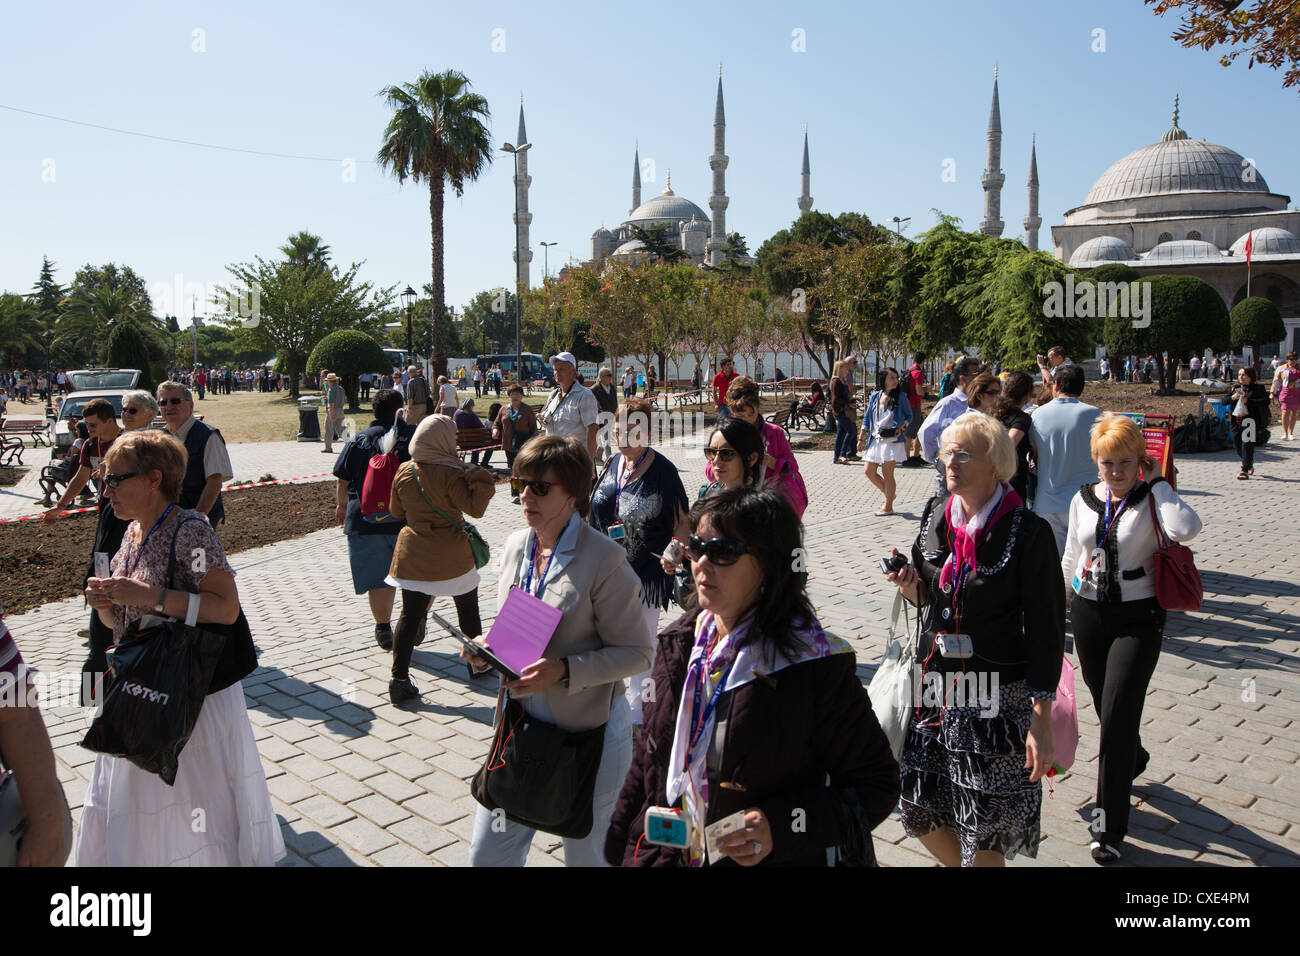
column 733, row 663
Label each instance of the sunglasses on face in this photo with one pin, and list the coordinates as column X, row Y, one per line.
column 113, row 481
column 720, row 454
column 540, row 489
column 128, row 410
column 170, row 401
column 721, row 552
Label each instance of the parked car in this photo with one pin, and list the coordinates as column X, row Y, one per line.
column 89, row 384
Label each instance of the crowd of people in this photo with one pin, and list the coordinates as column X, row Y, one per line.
column 698, row 742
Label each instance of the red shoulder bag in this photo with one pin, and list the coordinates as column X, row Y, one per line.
column 1178, row 583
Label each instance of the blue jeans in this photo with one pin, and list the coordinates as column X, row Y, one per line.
column 501, row 842
column 845, row 436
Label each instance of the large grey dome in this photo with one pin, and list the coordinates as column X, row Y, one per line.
column 1176, row 166
column 1100, row 250
column 1268, row 241
column 669, row 206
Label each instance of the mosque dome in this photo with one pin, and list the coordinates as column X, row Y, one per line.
column 631, row 247
column 1100, row 250
column 668, row 207
column 1268, row 241
column 1183, row 249
column 602, row 233
column 694, row 225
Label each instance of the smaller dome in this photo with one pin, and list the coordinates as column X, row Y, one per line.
column 602, row 233
column 1268, row 241
column 694, row 225
column 630, row 247
column 1100, row 250
column 1184, row 249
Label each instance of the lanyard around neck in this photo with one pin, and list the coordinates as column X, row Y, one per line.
column 532, row 559
column 140, row 553
column 623, row 477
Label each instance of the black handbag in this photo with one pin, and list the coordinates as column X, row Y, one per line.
column 890, row 432
column 160, row 677
column 539, row 775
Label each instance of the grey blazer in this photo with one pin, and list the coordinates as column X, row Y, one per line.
column 603, row 632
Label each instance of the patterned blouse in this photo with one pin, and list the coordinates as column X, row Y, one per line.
column 197, row 550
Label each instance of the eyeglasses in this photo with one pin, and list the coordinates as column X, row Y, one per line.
column 171, row 401
column 113, row 481
column 539, row 489
column 128, row 410
column 721, row 454
column 961, row 457
column 721, row 552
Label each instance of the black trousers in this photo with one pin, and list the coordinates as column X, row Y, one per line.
column 415, row 606
column 1245, row 449
column 1118, row 646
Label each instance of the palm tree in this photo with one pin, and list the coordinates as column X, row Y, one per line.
column 87, row 312
column 437, row 134
column 307, row 251
column 18, row 327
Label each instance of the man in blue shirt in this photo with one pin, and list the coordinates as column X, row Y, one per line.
column 1060, row 436
column 942, row 415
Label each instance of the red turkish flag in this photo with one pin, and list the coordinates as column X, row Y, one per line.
column 1249, row 237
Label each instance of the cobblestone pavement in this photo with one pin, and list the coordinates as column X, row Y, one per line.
column 358, row 782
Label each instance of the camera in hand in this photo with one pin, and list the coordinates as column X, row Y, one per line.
column 893, row 564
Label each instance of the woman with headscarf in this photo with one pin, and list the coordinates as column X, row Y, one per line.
column 433, row 492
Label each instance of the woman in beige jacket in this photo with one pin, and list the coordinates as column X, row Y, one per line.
column 433, row 492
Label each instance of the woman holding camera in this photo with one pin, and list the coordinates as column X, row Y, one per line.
column 884, row 435
column 755, row 707
column 993, row 630
column 602, row 637
column 1118, row 623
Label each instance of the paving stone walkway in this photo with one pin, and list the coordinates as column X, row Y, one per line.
column 358, row 782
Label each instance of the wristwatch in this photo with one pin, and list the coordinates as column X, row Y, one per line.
column 162, row 599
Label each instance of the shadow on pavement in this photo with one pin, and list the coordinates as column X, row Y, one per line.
column 278, row 694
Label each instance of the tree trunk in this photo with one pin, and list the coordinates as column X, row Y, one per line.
column 808, row 347
column 438, row 361
column 292, row 365
column 352, row 388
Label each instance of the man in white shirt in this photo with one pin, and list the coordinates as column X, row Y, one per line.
column 208, row 464
column 945, row 411
column 1055, row 358
column 571, row 411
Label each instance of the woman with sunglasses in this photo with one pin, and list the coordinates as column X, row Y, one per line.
column 639, row 501
column 755, row 706
column 993, row 617
column 733, row 457
column 131, row 817
column 984, row 393
column 139, row 409
column 884, row 435
column 601, row 639
column 432, row 493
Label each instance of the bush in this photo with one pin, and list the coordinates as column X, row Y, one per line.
column 127, row 349
column 347, row 353
column 1254, row 321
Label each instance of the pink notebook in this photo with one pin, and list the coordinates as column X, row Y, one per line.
column 522, row 629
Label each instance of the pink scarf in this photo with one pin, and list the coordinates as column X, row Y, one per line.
column 968, row 533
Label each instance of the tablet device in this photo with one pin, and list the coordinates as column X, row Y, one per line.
column 483, row 654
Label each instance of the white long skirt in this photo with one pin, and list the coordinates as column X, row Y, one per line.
column 218, row 814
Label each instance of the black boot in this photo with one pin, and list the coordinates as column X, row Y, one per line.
column 384, row 636
column 402, row 691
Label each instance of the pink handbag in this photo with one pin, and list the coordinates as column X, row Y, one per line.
column 1065, row 721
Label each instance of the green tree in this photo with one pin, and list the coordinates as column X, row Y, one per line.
column 348, row 353
column 659, row 242
column 307, row 251
column 1253, row 321
column 88, row 309
column 1269, row 30
column 1187, row 315
column 436, row 136
column 299, row 306
column 17, row 330
column 127, row 349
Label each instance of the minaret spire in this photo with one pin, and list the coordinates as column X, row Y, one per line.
column 993, row 178
column 716, row 248
column 636, row 179
column 1033, row 221
column 805, row 200
column 523, row 218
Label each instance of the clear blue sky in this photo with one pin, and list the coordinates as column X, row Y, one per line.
column 888, row 90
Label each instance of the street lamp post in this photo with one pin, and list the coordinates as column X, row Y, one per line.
column 519, row 349
column 48, row 336
column 546, row 257
column 408, row 303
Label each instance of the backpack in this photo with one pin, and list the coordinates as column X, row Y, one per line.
column 377, row 487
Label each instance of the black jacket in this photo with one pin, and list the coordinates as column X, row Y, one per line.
column 784, row 735
column 1013, row 607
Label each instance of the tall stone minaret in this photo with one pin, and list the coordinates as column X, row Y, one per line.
column 805, row 201
column 1033, row 220
column 636, row 180
column 993, row 179
column 523, row 218
column 718, row 199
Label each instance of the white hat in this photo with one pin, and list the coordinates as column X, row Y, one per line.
column 565, row 357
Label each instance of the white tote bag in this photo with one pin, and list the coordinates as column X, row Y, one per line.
column 891, row 689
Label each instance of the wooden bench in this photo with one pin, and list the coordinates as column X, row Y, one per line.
column 37, row 429
column 785, row 416
column 810, row 416
column 470, row 440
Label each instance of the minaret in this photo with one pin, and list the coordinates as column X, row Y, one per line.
column 1033, row 220
column 993, row 179
column 636, row 180
column 523, row 218
column 718, row 199
column 805, row 201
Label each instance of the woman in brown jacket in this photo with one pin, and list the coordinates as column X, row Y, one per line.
column 514, row 425
column 433, row 492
